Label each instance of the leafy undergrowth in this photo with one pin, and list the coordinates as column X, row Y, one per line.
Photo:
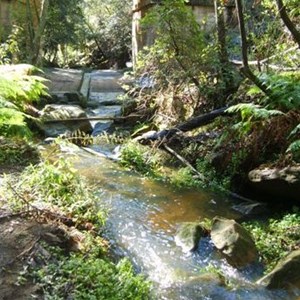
column 90, row 277
column 17, row 92
column 275, row 238
column 70, row 261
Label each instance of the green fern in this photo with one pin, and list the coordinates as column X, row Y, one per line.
column 285, row 90
column 250, row 111
column 22, row 89
column 15, row 92
column 12, row 123
column 249, row 114
column 294, row 149
column 295, row 131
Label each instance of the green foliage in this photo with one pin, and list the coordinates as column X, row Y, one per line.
column 15, row 93
column 137, row 157
column 249, row 114
column 183, row 178
column 57, row 185
column 88, row 33
column 110, row 23
column 22, row 89
column 9, row 50
column 285, row 89
column 295, row 131
column 12, row 123
column 64, row 31
column 180, row 49
column 276, row 238
column 294, row 149
column 87, row 277
column 214, row 180
column 16, row 152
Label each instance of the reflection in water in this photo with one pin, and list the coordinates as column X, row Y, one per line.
column 143, row 217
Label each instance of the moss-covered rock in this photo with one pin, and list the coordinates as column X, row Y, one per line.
column 286, row 274
column 234, row 242
column 189, row 234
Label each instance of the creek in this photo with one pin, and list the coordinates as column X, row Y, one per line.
column 143, row 216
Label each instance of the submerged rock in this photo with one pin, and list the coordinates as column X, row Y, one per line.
column 277, row 182
column 189, row 234
column 234, row 242
column 63, row 112
column 286, row 274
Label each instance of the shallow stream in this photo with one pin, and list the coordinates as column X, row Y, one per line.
column 142, row 222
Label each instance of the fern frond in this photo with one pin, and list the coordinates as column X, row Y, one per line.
column 294, row 149
column 7, row 104
column 20, row 89
column 285, row 89
column 250, row 111
column 295, row 131
column 12, row 123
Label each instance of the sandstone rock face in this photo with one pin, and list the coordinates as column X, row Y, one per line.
column 281, row 183
column 188, row 235
column 234, row 242
column 286, row 274
column 62, row 112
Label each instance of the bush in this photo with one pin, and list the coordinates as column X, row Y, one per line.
column 59, row 186
column 135, row 156
column 90, row 278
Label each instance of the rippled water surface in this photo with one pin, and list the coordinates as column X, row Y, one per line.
column 143, row 218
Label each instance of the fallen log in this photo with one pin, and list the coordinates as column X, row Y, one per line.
column 185, row 126
column 201, row 120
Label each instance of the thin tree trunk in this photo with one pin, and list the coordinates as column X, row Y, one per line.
column 246, row 69
column 29, row 24
column 39, row 32
column 226, row 75
column 221, row 31
column 287, row 21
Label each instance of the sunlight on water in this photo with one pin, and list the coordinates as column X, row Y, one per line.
column 143, row 218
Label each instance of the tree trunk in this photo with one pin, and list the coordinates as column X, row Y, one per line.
column 221, row 32
column 226, row 71
column 287, row 21
column 246, row 69
column 29, row 24
column 37, row 42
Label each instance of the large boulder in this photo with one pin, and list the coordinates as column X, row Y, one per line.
column 234, row 242
column 286, row 274
column 63, row 112
column 277, row 182
column 189, row 234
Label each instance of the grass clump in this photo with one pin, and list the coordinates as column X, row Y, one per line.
column 58, row 186
column 141, row 159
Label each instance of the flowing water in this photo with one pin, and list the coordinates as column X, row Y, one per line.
column 142, row 221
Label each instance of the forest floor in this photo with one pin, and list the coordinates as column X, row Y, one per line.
column 19, row 238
